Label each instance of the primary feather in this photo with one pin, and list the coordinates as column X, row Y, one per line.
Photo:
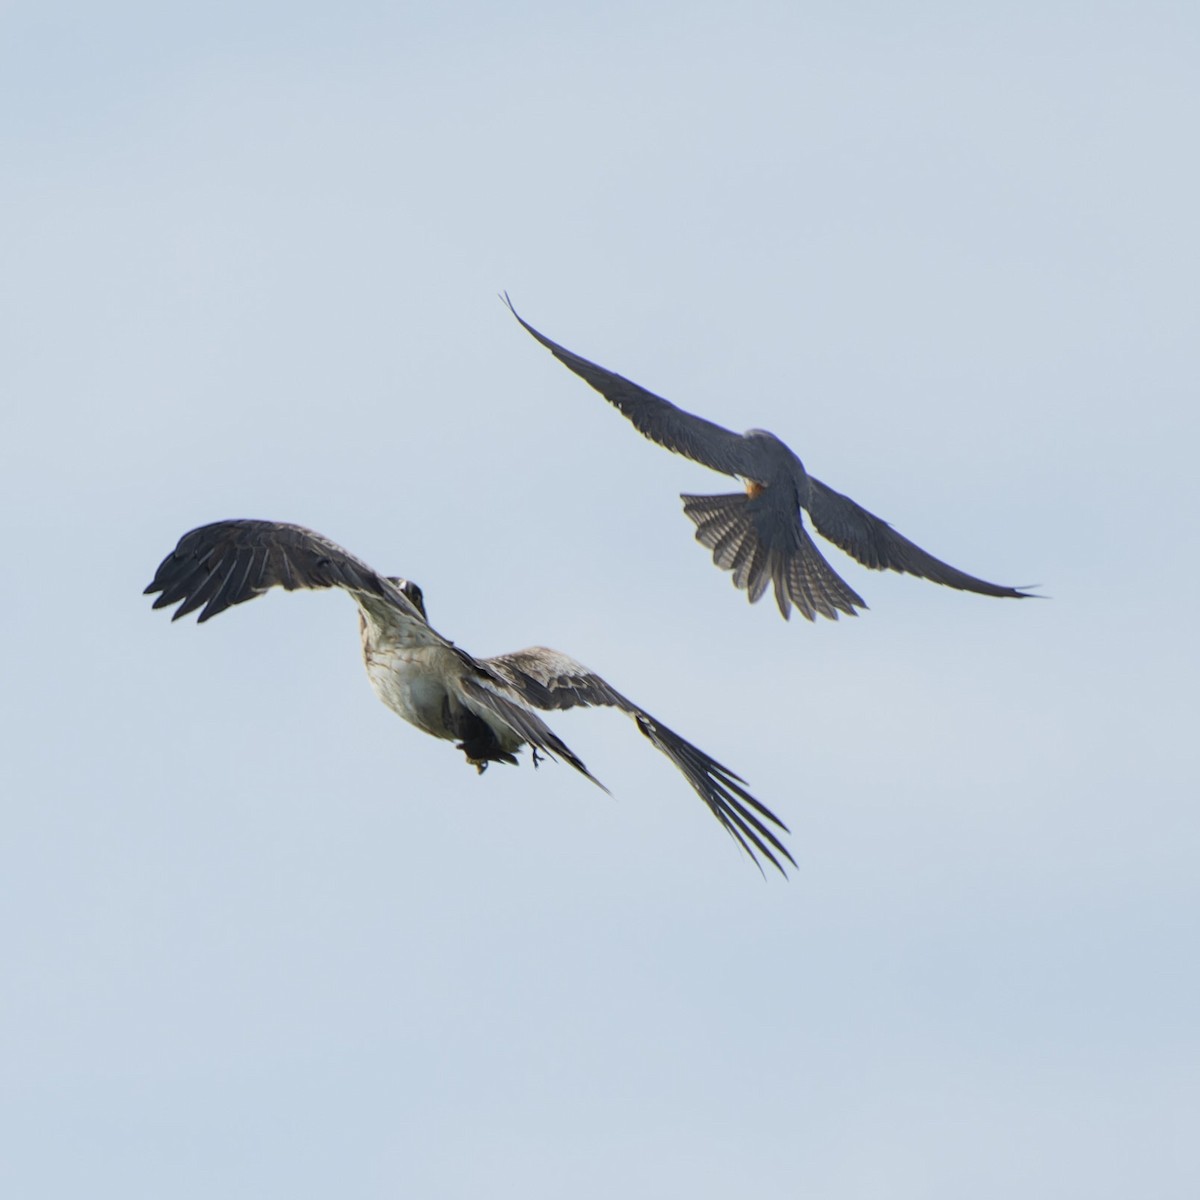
column 488, row 706
column 760, row 537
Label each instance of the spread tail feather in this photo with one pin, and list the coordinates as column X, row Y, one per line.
column 787, row 559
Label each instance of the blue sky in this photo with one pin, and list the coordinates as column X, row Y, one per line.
column 261, row 938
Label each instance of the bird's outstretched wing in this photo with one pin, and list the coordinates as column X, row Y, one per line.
column 229, row 562
column 702, row 441
column 876, row 544
column 550, row 680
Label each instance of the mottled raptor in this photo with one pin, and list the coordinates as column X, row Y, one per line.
column 487, row 706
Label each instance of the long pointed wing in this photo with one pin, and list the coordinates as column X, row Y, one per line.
column 702, row 441
column 876, row 544
column 230, row 562
column 550, row 680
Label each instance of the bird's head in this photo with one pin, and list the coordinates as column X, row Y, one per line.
column 412, row 591
column 762, row 436
column 771, row 451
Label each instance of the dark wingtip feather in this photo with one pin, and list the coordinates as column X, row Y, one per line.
column 724, row 793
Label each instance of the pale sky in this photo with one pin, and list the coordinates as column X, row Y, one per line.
column 261, row 938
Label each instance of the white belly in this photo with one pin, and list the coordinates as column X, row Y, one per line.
column 412, row 682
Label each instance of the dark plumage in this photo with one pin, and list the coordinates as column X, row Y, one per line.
column 759, row 535
column 485, row 705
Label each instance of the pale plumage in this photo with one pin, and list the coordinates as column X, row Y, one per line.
column 485, row 705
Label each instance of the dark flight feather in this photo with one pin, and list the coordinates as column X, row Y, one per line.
column 765, row 543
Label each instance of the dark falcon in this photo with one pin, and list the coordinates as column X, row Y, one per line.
column 484, row 705
column 759, row 534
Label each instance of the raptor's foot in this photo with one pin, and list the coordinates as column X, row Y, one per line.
column 480, row 764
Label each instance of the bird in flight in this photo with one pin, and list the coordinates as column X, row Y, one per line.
column 759, row 534
column 485, row 705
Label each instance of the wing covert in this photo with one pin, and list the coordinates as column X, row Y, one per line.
column 702, row 441
column 487, row 690
column 548, row 679
column 875, row 544
column 229, row 562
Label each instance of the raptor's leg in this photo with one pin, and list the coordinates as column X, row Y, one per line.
column 480, row 764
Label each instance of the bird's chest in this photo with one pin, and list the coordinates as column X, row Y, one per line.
column 416, row 683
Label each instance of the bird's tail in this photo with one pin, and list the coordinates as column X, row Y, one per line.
column 760, row 553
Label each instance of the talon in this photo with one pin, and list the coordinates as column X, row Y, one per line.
column 537, row 758
column 480, row 764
